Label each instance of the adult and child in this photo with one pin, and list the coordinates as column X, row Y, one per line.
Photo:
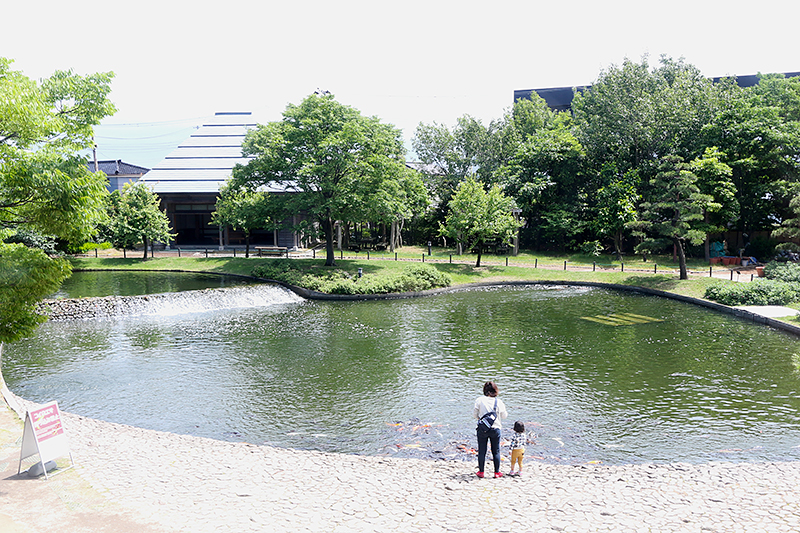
column 489, row 410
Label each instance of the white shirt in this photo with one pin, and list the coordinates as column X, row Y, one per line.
column 485, row 404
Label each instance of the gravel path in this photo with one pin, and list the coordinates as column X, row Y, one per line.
column 147, row 481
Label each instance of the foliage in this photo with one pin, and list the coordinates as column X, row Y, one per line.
column 616, row 204
column 478, row 217
column 675, row 202
column 790, row 227
column 26, row 276
column 33, row 239
column 135, row 217
column 330, row 157
column 757, row 292
column 243, row 209
column 45, row 184
column 413, row 278
column 782, row 271
column 762, row 248
column 592, row 248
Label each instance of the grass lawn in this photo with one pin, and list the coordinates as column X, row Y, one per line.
column 656, row 273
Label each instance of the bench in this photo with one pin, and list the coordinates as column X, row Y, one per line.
column 278, row 251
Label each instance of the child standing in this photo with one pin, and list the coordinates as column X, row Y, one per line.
column 518, row 442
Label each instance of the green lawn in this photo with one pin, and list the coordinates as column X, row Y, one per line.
column 524, row 267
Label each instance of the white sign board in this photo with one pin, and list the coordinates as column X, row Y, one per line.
column 44, row 435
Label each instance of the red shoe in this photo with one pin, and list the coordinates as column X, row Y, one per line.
column 498, row 474
column 479, row 474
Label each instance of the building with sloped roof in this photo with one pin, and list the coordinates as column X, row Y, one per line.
column 188, row 181
column 118, row 172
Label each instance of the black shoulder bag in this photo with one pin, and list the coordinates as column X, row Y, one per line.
column 489, row 418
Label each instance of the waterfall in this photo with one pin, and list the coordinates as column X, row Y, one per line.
column 169, row 304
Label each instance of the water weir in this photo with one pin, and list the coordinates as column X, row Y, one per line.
column 167, row 304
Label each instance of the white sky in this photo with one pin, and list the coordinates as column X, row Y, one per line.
column 179, row 62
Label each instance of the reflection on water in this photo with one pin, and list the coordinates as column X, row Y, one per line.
column 399, row 377
column 85, row 284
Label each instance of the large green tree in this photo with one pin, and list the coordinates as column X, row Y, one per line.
column 326, row 158
column 244, row 210
column 477, row 217
column 674, row 205
column 135, row 217
column 45, row 185
column 633, row 115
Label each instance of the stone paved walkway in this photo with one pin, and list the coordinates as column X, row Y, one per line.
column 130, row 479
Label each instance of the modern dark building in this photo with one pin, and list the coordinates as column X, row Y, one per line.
column 560, row 98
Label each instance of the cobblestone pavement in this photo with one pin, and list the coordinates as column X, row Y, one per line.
column 129, row 479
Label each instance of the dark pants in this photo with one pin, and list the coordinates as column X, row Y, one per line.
column 492, row 435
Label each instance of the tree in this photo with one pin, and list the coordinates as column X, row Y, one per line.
column 45, row 185
column 44, row 182
column 244, row 210
column 789, row 228
column 136, row 217
column 26, row 276
column 616, row 205
column 322, row 153
column 714, row 179
column 477, row 217
column 470, row 148
column 634, row 115
column 758, row 138
column 394, row 201
column 545, row 176
column 676, row 202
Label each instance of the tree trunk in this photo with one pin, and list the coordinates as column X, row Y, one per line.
column 144, row 240
column 681, row 258
column 393, row 236
column 400, row 233
column 327, row 226
column 618, row 245
column 480, row 252
column 246, row 244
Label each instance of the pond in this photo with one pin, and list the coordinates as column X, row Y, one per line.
column 84, row 284
column 595, row 375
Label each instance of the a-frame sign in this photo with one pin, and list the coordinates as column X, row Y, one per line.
column 44, row 435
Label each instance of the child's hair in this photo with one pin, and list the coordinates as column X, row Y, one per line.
column 519, row 427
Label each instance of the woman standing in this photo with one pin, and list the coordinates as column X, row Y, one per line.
column 489, row 410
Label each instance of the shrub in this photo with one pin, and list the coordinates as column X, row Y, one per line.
column 593, row 248
column 782, row 271
column 758, row 292
column 33, row 239
column 417, row 277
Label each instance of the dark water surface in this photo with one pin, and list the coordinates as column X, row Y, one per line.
column 84, row 284
column 596, row 375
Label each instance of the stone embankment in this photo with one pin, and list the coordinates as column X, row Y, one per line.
column 167, row 303
column 100, row 307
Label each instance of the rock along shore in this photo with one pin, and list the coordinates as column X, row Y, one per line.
column 168, row 482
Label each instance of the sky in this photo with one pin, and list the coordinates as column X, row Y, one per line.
column 178, row 62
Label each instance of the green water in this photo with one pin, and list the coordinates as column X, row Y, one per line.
column 596, row 375
column 84, row 284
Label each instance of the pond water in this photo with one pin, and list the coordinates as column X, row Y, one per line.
column 596, row 375
column 83, row 284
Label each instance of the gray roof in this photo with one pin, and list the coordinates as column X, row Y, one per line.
column 204, row 161
column 117, row 167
